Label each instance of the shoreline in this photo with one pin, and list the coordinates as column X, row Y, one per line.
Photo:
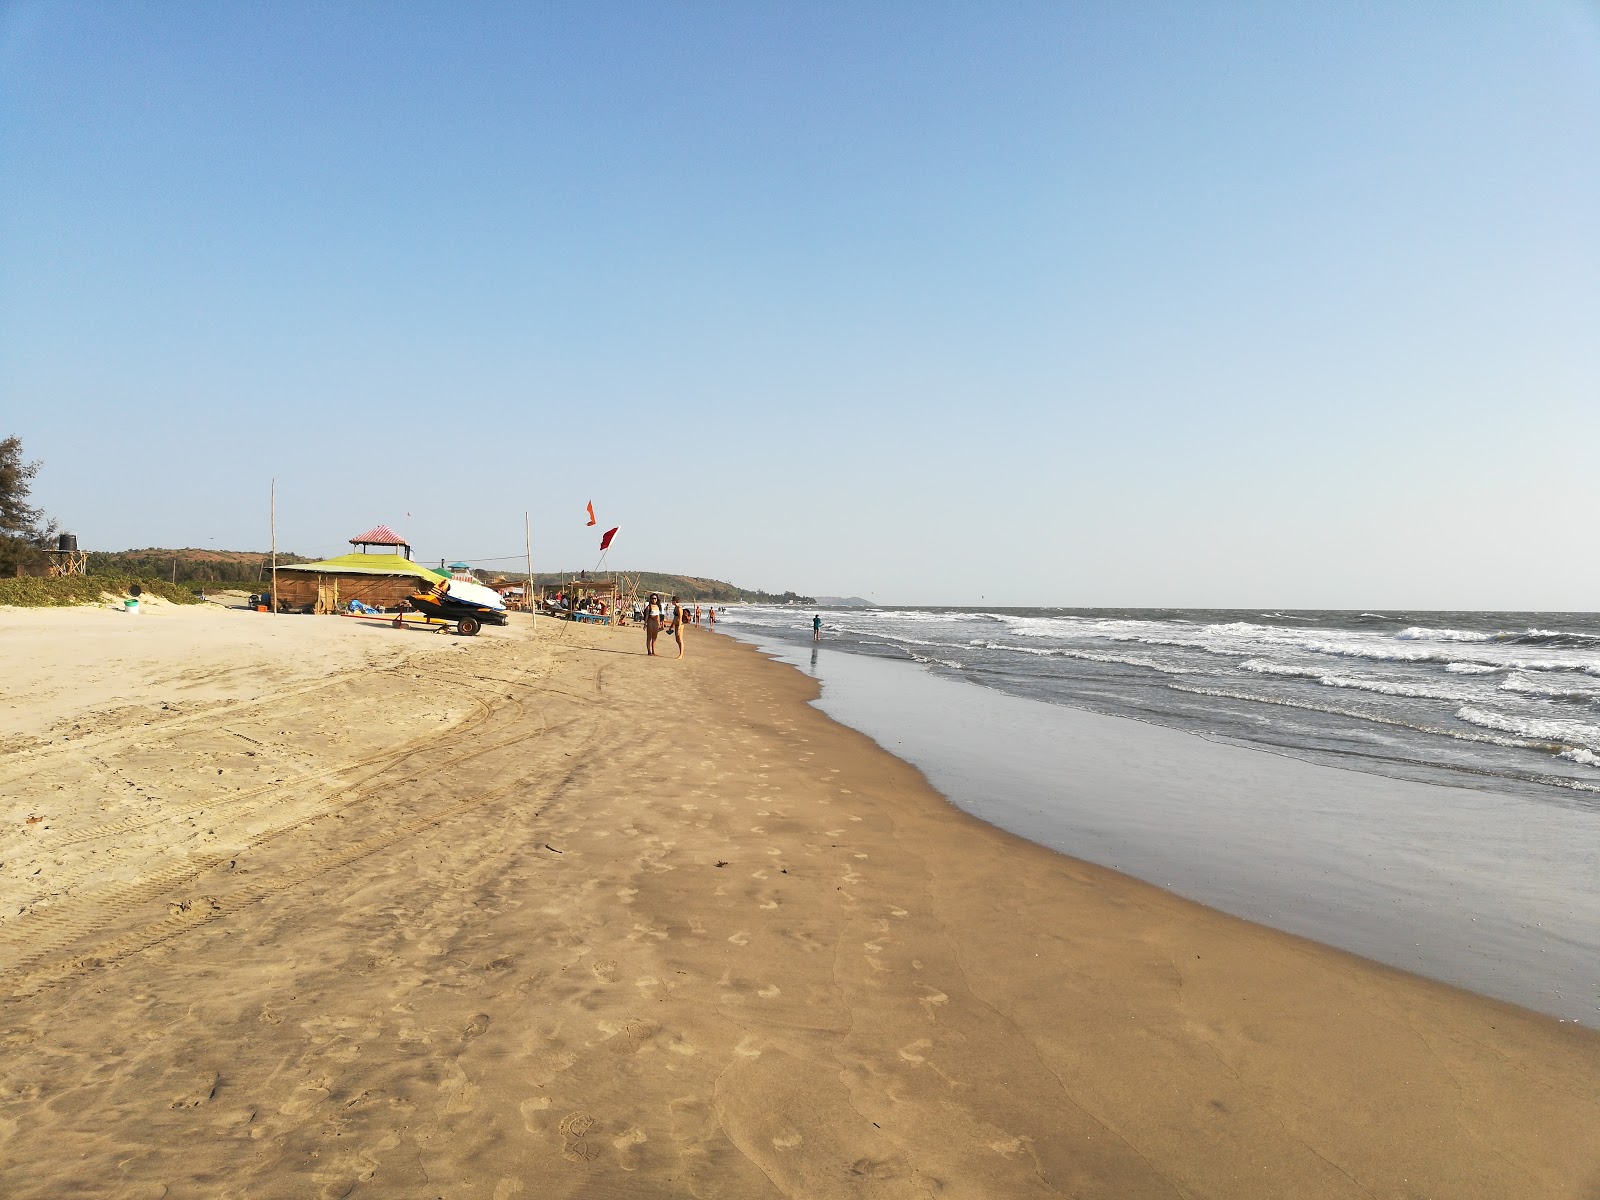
column 631, row 926
column 1486, row 891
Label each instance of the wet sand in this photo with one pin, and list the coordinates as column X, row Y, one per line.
column 1495, row 893
column 542, row 916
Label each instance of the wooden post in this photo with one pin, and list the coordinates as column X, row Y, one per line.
column 527, row 584
column 272, row 605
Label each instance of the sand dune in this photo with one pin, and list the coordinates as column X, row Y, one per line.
column 403, row 915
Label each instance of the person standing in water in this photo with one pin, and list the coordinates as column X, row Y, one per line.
column 816, row 628
column 652, row 623
column 679, row 617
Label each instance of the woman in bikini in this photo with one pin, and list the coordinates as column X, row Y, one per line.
column 679, row 617
column 652, row 623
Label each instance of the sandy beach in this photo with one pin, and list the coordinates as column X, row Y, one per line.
column 307, row 907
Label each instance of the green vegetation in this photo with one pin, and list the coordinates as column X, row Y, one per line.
column 28, row 592
column 237, row 568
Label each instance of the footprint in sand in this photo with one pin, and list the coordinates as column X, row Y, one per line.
column 627, row 1148
column 574, row 1148
column 909, row 1053
column 308, row 1096
column 740, row 939
column 477, row 1027
column 604, row 969
column 631, row 1036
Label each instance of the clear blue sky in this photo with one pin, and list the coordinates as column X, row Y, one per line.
column 1099, row 303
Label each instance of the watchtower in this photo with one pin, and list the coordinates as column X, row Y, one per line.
column 66, row 558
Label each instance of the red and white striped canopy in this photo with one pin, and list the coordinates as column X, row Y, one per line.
column 380, row 535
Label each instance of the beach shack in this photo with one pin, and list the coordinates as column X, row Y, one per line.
column 590, row 599
column 382, row 580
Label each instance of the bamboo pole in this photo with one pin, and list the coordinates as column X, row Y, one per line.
column 272, row 605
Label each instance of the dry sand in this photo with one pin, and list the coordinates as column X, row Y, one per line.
column 299, row 907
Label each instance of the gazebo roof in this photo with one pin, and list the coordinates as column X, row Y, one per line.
column 379, row 535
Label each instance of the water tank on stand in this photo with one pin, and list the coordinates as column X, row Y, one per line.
column 67, row 542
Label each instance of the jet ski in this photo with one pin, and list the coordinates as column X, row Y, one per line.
column 469, row 606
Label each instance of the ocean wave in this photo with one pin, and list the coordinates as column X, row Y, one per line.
column 1471, row 668
column 1418, row 633
column 1554, row 732
column 1554, row 689
column 929, row 660
column 1382, row 687
column 1090, row 656
column 1081, row 656
column 1359, row 715
column 894, row 637
column 1261, row 666
column 1526, row 637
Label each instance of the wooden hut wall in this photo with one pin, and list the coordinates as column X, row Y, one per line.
column 300, row 588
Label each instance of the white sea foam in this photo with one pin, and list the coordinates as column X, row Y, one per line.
column 1471, row 668
column 1261, row 666
column 1567, row 734
column 1587, row 757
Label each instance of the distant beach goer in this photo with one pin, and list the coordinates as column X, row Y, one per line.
column 816, row 628
column 652, row 623
column 679, row 615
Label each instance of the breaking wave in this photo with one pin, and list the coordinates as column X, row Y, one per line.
column 1579, row 735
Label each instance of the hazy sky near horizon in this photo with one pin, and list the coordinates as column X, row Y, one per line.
column 1072, row 303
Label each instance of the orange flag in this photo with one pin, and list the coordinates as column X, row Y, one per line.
column 591, row 512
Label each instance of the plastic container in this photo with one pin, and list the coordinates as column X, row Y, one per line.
column 131, row 607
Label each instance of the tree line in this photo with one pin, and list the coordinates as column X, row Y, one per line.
column 25, row 530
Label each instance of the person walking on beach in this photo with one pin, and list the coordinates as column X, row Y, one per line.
column 652, row 623
column 679, row 616
column 816, row 628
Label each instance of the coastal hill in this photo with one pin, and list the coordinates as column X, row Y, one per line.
column 249, row 568
column 689, row 587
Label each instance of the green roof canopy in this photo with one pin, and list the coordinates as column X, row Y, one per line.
column 368, row 564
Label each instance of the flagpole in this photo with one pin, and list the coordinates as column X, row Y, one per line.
column 273, row 606
column 527, row 586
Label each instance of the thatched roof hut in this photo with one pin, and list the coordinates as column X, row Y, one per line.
column 381, row 580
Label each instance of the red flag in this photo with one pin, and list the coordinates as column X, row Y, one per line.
column 605, row 542
column 591, row 512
